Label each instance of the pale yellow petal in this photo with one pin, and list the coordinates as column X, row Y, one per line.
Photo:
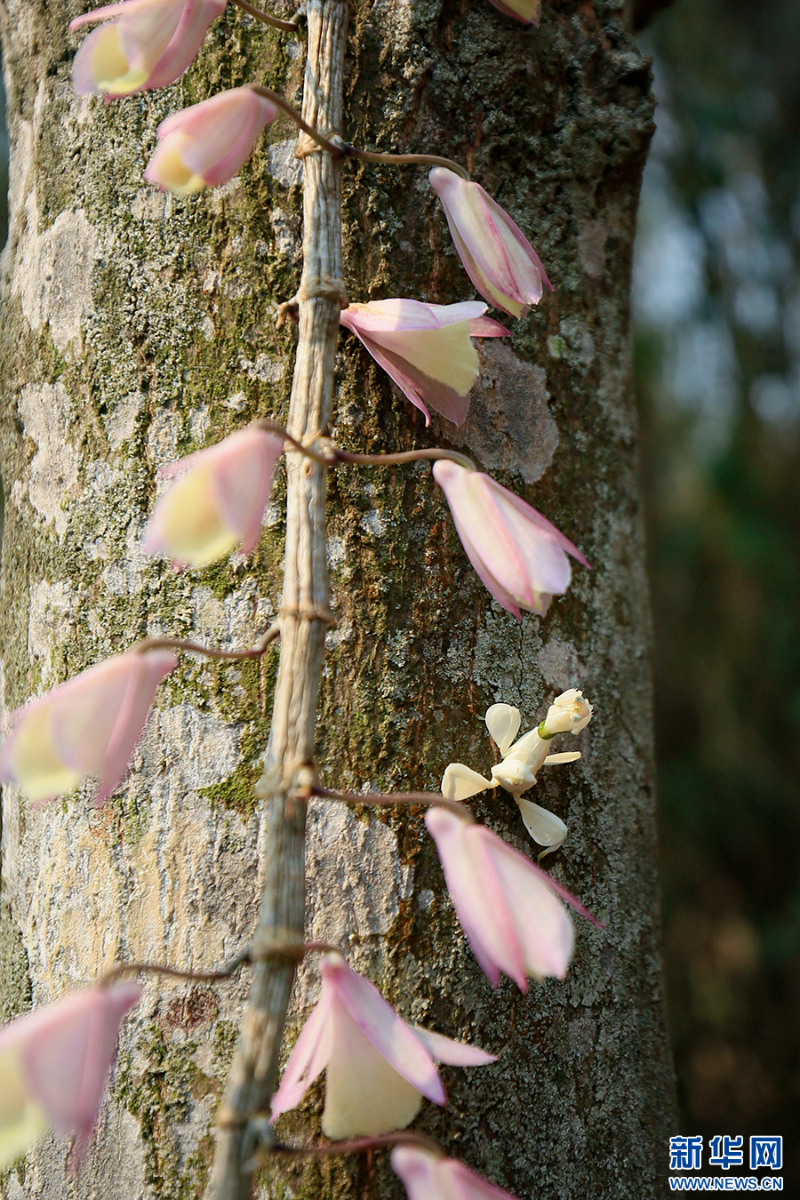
column 22, row 1121
column 446, row 354
column 190, row 527
column 34, row 762
column 364, row 1096
column 110, row 65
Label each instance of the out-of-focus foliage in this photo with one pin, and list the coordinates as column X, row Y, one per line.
column 717, row 310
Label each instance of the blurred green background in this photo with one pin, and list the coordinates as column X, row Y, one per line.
column 717, row 342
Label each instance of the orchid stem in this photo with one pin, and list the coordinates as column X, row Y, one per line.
column 335, row 149
column 416, row 799
column 134, row 968
column 167, row 643
column 428, row 160
column 273, row 427
column 403, row 456
column 255, row 953
column 334, row 455
column 356, row 1145
column 267, row 18
column 335, row 145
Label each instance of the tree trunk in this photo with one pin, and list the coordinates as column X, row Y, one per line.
column 137, row 327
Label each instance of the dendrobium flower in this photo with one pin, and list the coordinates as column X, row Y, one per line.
column 519, row 556
column 149, row 45
column 507, row 905
column 378, row 1067
column 205, row 145
column 425, row 348
column 218, row 501
column 53, row 1067
column 86, row 726
column 522, row 760
column 428, row 1176
column 528, row 11
column 496, row 255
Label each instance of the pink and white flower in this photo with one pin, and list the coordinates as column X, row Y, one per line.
column 508, row 907
column 54, row 1064
column 527, row 11
column 217, row 503
column 378, row 1068
column 425, row 348
column 496, row 255
column 86, row 726
column 205, row 145
column 149, row 45
column 428, row 1176
column 519, row 556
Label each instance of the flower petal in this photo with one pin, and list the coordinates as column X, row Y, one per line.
column 513, row 548
column 207, row 143
column 186, row 41
column 364, row 1094
column 477, row 897
column 61, row 1057
column 146, row 672
column 310, row 1056
column 428, row 1176
column 446, row 1050
column 381, row 1026
column 392, row 316
column 425, row 348
column 542, row 925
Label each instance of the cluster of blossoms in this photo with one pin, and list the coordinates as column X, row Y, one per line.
column 145, row 44
column 54, row 1063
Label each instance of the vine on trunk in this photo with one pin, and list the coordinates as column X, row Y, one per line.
column 53, row 1064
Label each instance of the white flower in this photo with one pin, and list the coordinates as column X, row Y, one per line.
column 521, row 761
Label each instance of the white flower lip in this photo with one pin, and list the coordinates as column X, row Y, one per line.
column 378, row 1067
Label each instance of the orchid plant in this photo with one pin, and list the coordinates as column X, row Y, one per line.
column 53, row 1064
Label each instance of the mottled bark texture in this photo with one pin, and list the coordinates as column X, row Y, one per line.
column 136, row 327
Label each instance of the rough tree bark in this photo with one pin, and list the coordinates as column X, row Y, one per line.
column 136, row 327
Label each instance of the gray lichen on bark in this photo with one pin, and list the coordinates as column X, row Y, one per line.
column 137, row 327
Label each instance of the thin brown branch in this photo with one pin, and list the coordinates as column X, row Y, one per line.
column 355, row 1146
column 402, row 456
column 426, row 160
column 135, row 968
column 389, row 799
column 287, row 951
column 273, row 427
column 333, row 148
column 189, row 647
column 267, row 18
